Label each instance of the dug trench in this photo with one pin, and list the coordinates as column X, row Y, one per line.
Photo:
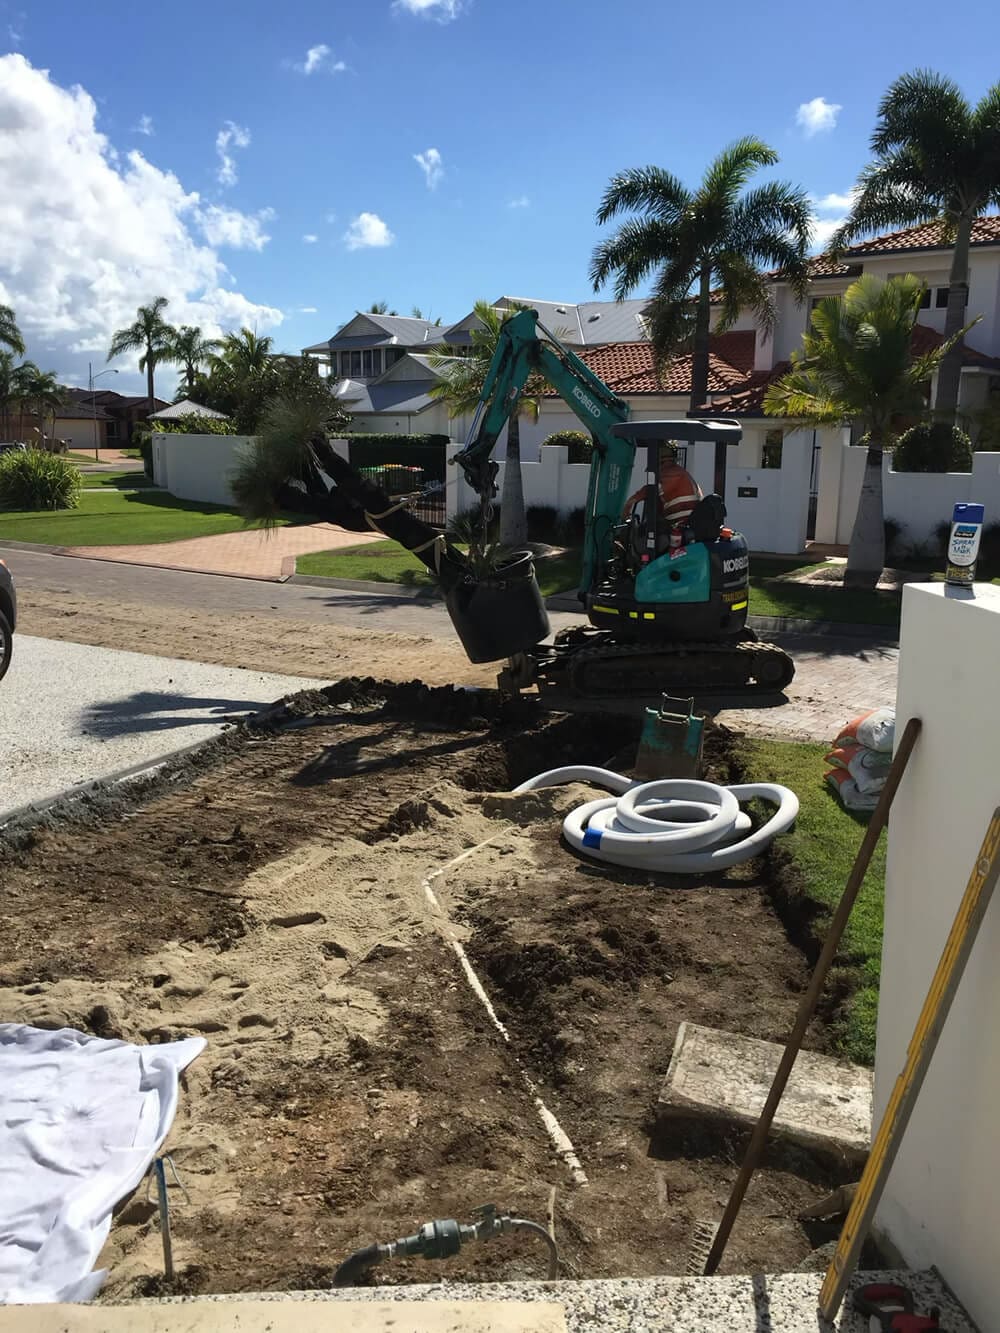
column 268, row 893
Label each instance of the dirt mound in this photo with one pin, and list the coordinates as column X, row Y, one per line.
column 272, row 898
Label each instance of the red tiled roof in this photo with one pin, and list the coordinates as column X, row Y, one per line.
column 928, row 236
column 926, row 339
column 627, row 368
column 748, row 400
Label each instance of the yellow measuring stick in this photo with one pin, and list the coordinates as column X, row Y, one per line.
column 942, row 990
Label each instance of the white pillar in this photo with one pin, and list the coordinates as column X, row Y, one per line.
column 941, row 1205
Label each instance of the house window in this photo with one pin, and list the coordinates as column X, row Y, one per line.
column 941, row 298
column 355, row 364
column 372, row 362
column 770, row 454
column 925, row 300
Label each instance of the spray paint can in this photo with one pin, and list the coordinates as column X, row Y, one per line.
column 963, row 545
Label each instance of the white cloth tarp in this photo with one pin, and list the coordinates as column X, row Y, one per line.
column 81, row 1119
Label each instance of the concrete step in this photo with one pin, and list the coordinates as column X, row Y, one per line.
column 724, row 1077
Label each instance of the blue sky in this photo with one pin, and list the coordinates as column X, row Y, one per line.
column 299, row 120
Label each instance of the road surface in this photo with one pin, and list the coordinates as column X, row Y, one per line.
column 323, row 632
column 70, row 713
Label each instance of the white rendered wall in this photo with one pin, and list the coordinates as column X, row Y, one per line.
column 197, row 467
column 941, row 1204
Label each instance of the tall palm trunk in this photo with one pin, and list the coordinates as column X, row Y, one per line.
column 866, row 553
column 513, row 520
column 950, row 370
column 702, row 329
column 149, row 382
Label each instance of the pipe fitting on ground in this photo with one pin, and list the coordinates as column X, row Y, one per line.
column 442, row 1239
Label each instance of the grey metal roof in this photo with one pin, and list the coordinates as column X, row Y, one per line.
column 612, row 321
column 584, row 324
column 186, row 408
column 393, row 396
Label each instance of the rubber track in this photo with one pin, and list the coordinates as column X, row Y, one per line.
column 603, row 671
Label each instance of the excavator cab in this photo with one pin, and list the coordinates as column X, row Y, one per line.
column 675, row 572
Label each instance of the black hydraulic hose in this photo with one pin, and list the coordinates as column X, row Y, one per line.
column 522, row 1224
column 357, row 1265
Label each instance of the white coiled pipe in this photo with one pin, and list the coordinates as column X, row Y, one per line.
column 674, row 825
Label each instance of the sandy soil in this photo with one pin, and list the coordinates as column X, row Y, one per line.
column 251, row 640
column 270, row 896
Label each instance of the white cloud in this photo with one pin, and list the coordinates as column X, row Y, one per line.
column 521, row 201
column 228, row 226
column 318, row 59
column 834, row 203
column 829, row 213
column 230, row 136
column 308, row 310
column 817, row 116
column 145, row 126
column 443, row 11
column 86, row 235
column 431, row 165
column 367, row 229
column 310, row 238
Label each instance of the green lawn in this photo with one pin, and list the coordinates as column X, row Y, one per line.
column 115, row 518
column 122, row 481
column 388, row 562
column 821, row 850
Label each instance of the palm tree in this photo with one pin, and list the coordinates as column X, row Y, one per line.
column 856, row 364
column 41, row 391
column 153, row 335
column 459, row 388
column 380, row 308
column 8, row 390
column 936, row 159
column 10, row 334
column 242, row 355
column 692, row 239
column 190, row 349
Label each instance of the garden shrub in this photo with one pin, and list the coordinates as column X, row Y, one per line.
column 34, row 479
column 571, row 527
column 195, row 423
column 894, row 546
column 543, row 523
column 579, row 443
column 933, row 446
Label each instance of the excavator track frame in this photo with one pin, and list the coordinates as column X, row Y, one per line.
column 588, row 663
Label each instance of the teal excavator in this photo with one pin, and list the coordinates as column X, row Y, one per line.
column 666, row 605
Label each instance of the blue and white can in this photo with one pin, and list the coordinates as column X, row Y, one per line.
column 963, row 545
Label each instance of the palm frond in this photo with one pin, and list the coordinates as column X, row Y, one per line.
column 632, row 253
column 922, row 108
column 887, row 199
column 730, row 171
column 649, row 189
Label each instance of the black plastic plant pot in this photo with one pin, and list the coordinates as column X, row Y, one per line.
column 501, row 613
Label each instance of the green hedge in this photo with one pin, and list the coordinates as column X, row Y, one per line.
column 380, row 450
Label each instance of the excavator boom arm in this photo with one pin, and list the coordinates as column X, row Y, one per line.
column 521, row 353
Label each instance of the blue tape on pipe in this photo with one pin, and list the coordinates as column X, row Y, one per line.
column 591, row 838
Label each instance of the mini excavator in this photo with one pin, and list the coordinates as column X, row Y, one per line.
column 667, row 609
